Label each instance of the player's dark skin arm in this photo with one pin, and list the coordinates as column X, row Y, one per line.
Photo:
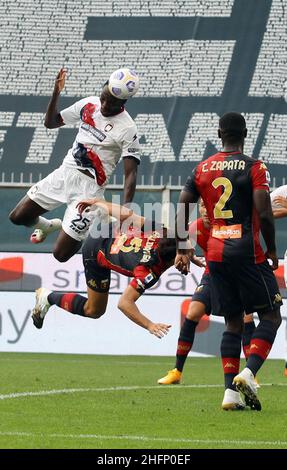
column 184, row 251
column 279, row 213
column 130, row 169
column 262, row 204
column 53, row 118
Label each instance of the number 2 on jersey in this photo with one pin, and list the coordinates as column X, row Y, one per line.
column 218, row 211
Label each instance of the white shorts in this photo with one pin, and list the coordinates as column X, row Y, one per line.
column 68, row 186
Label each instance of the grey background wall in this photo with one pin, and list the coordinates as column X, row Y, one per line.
column 196, row 59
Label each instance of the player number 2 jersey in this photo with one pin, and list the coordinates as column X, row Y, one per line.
column 226, row 182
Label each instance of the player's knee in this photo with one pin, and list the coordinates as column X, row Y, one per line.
column 61, row 256
column 277, row 320
column 196, row 311
column 16, row 217
column 94, row 312
column 235, row 325
column 274, row 317
column 195, row 315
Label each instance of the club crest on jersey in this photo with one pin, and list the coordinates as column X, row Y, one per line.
column 108, row 127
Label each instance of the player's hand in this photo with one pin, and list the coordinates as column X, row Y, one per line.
column 198, row 261
column 60, row 81
column 280, row 201
column 159, row 329
column 273, row 258
column 86, row 205
column 185, row 253
column 182, row 263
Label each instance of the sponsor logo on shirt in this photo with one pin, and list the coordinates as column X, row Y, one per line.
column 227, row 231
column 94, row 131
column 148, row 247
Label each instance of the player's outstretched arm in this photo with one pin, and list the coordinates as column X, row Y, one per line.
column 127, row 304
column 121, row 213
column 53, row 118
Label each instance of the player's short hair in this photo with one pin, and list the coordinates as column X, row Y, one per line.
column 232, row 127
column 117, row 99
column 167, row 249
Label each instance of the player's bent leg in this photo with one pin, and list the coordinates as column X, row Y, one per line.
column 26, row 212
column 65, row 247
column 96, row 305
column 93, row 307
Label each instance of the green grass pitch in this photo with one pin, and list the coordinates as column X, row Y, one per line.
column 57, row 401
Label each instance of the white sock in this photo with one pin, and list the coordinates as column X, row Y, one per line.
column 48, row 225
column 43, row 223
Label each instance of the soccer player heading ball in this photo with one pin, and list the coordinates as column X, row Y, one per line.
column 106, row 134
column 123, row 83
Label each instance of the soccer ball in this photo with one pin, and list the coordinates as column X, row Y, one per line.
column 123, row 83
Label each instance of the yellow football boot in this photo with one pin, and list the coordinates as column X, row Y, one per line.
column 173, row 377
